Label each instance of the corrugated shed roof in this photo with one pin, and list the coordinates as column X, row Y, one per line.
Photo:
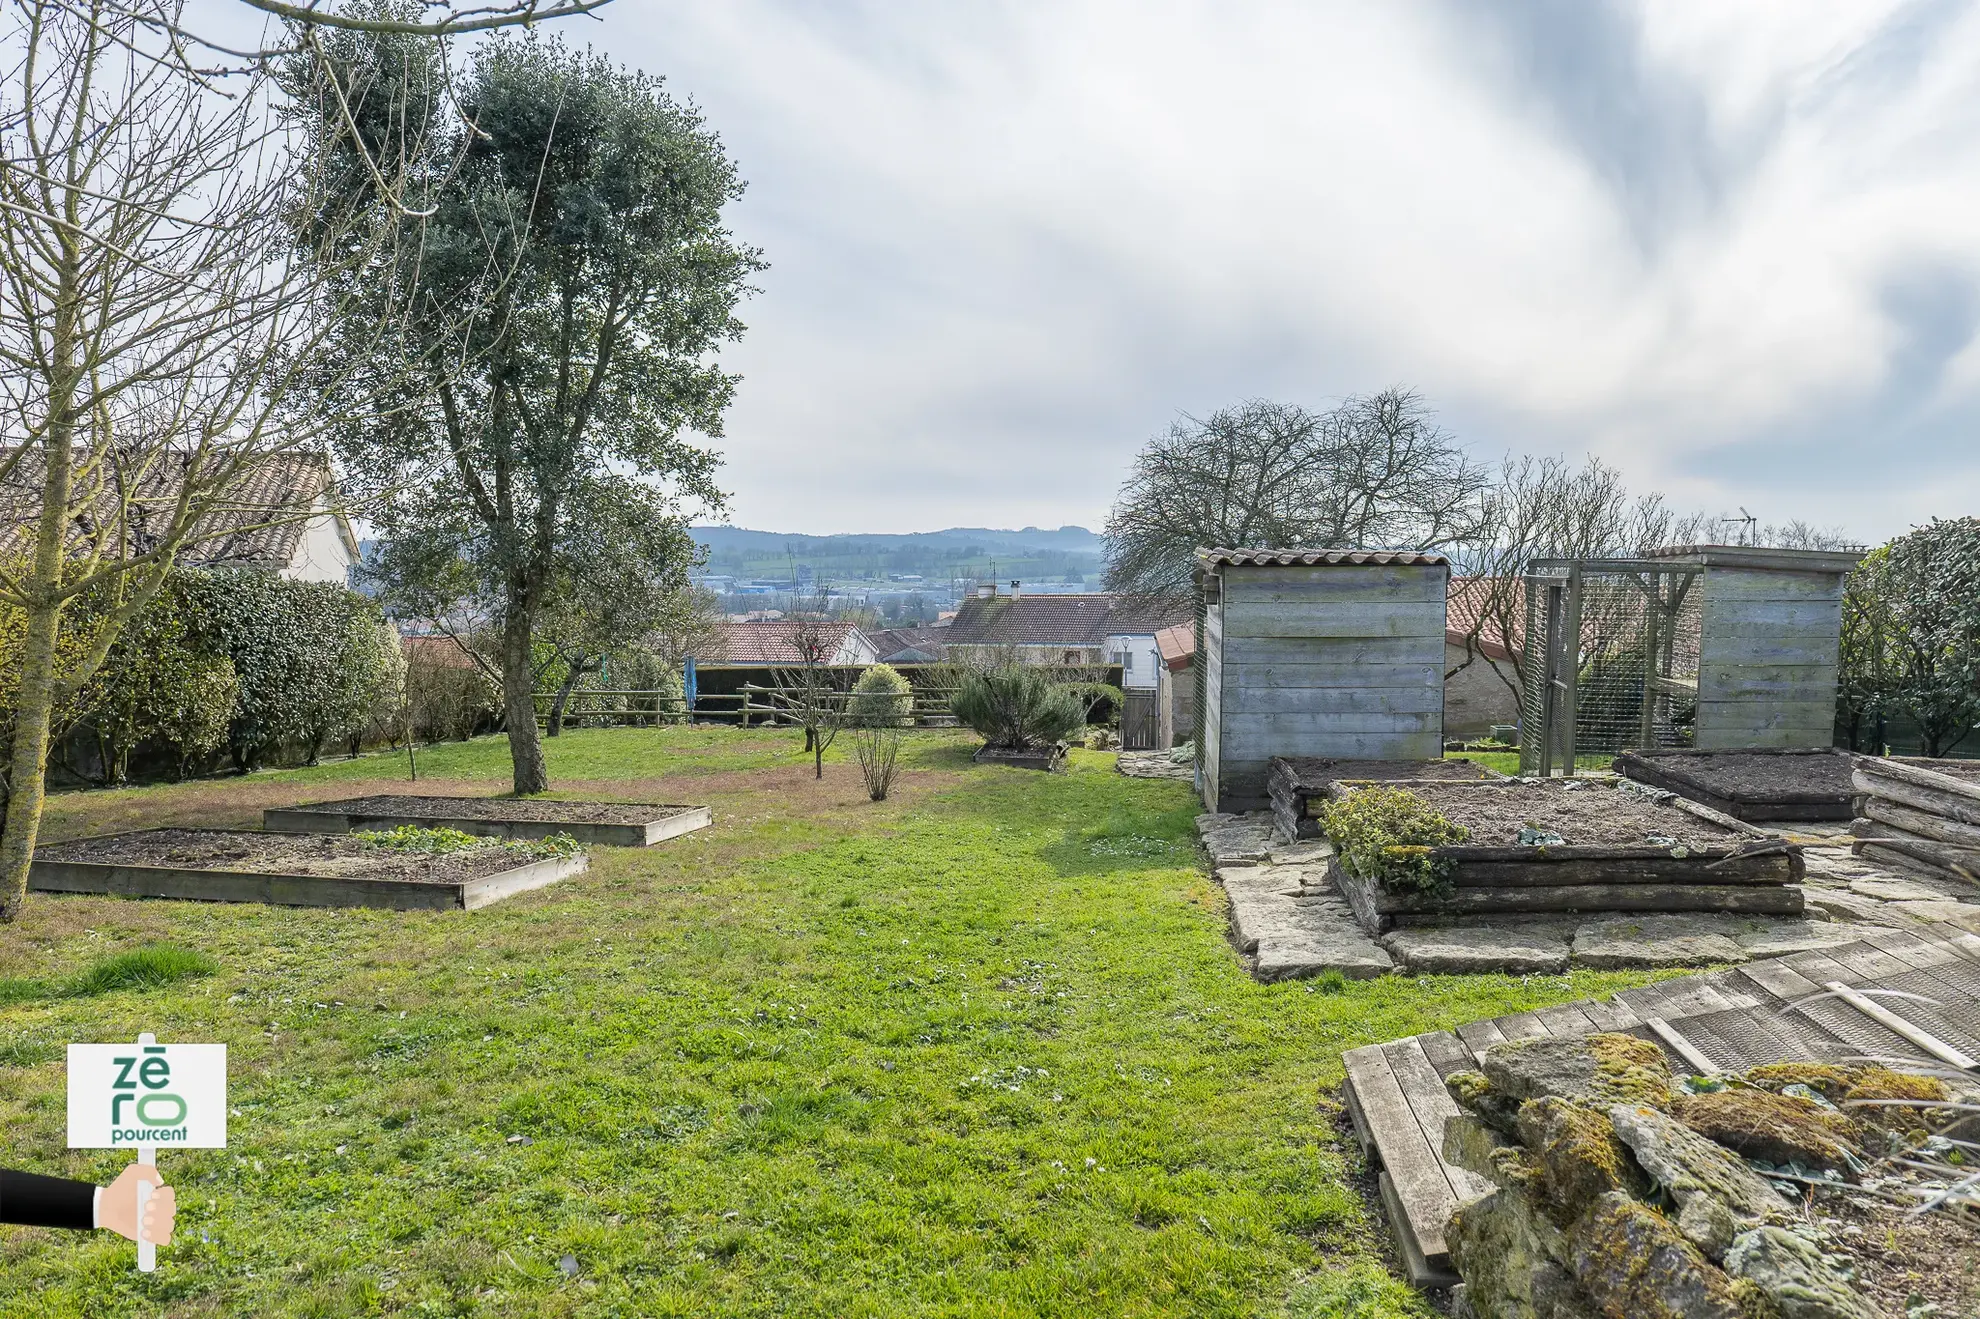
column 1320, row 558
column 1056, row 620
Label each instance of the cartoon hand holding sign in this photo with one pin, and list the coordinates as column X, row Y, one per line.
column 141, row 1096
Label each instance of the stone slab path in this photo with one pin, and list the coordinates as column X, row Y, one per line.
column 1155, row 765
column 1289, row 923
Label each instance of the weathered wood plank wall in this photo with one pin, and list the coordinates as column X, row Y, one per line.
column 1334, row 660
column 1769, row 657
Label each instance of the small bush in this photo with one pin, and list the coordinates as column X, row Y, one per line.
column 1015, row 707
column 1386, row 834
column 148, row 967
column 882, row 698
column 877, row 749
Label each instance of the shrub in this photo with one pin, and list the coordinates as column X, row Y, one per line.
column 1911, row 634
column 877, row 747
column 882, row 698
column 448, row 699
column 166, row 682
column 1386, row 834
column 1015, row 707
column 308, row 656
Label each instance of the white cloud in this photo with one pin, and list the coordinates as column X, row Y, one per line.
column 1729, row 247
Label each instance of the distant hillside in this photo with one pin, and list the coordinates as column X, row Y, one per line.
column 1032, row 552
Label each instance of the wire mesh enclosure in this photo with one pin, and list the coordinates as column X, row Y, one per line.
column 1611, row 659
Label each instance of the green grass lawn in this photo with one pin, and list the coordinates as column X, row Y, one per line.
column 983, row 1049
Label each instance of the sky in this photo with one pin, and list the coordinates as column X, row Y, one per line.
column 1732, row 249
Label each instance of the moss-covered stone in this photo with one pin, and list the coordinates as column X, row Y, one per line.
column 1796, row 1277
column 1686, row 1164
column 1597, row 1069
column 1475, row 1094
column 1776, row 1128
column 1513, row 1261
column 1633, row 1263
column 1580, row 1155
column 1825, row 1079
column 1884, row 1098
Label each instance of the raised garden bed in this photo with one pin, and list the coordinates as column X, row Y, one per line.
column 1297, row 784
column 607, row 824
column 296, row 870
column 1051, row 759
column 1919, row 813
column 1623, row 848
column 1754, row 783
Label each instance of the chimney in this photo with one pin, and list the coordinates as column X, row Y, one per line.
column 985, row 590
column 1016, row 590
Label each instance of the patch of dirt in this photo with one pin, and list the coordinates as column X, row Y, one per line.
column 1311, row 774
column 499, row 808
column 1756, row 776
column 1903, row 1261
column 332, row 856
column 1592, row 815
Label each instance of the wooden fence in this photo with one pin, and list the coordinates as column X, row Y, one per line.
column 753, row 695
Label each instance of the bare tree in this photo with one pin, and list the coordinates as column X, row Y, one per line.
column 1374, row 472
column 154, row 305
column 807, row 694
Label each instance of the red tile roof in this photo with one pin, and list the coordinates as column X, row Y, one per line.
column 1468, row 597
column 1056, row 620
column 1177, row 645
column 771, row 642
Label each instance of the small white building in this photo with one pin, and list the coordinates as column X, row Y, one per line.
column 282, row 517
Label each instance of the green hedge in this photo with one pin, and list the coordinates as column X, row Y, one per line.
column 232, row 659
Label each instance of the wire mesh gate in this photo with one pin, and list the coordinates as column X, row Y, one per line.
column 1610, row 659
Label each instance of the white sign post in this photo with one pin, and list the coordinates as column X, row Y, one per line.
column 143, row 1096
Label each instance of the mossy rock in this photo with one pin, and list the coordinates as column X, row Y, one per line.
column 1633, row 1263
column 1476, row 1096
column 1595, row 1069
column 1578, row 1149
column 1871, row 1088
column 1759, row 1124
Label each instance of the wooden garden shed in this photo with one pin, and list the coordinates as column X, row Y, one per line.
column 1325, row 653
column 1769, row 651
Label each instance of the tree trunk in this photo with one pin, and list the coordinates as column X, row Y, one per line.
column 575, row 671
column 818, row 762
column 30, row 754
column 34, row 697
column 519, row 698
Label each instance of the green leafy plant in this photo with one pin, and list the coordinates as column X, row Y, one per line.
column 1016, row 707
column 420, row 841
column 417, row 840
column 1387, row 835
column 882, row 698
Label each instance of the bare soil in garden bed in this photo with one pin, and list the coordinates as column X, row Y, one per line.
column 1756, row 776
column 1311, row 774
column 497, row 808
column 329, row 856
column 1593, row 815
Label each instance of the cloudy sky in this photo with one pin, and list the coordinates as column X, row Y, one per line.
column 1730, row 248
column 1733, row 249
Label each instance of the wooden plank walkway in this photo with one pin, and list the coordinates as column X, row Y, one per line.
column 1723, row 1021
